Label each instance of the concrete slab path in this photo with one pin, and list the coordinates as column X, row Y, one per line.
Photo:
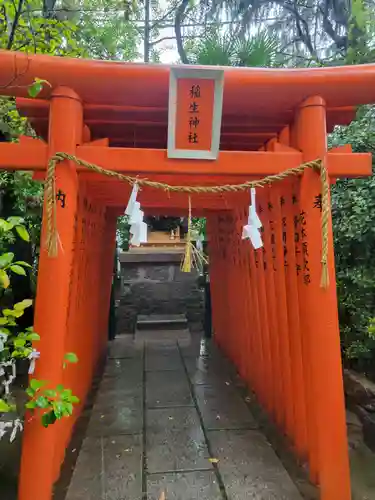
column 168, row 423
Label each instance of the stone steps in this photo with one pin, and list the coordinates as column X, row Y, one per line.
column 162, row 322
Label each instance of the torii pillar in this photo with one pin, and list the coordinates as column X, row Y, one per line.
column 320, row 326
column 39, row 470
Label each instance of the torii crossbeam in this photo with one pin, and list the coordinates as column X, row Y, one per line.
column 270, row 314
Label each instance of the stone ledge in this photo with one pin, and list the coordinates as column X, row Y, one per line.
column 152, row 257
column 360, row 398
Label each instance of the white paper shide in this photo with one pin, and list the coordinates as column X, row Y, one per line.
column 138, row 228
column 251, row 230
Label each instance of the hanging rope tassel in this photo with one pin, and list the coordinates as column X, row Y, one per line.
column 187, row 260
column 324, row 282
column 52, row 236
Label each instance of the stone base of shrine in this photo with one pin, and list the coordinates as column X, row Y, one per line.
column 152, row 285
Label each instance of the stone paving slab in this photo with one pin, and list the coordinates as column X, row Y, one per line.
column 250, row 468
column 123, row 367
column 175, row 441
column 201, row 375
column 200, row 485
column 108, row 468
column 164, row 336
column 162, row 362
column 125, row 346
column 223, row 409
column 122, row 417
column 167, row 389
column 162, row 348
column 117, row 394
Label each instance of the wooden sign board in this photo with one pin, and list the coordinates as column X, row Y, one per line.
column 195, row 108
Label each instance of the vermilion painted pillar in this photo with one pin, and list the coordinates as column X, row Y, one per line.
column 106, row 273
column 294, row 330
column 245, row 292
column 241, row 305
column 276, row 200
column 214, row 272
column 225, row 254
column 40, row 445
column 223, row 249
column 321, row 328
column 270, row 327
column 211, row 228
column 236, row 323
column 253, row 327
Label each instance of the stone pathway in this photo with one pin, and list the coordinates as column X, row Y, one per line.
column 169, row 423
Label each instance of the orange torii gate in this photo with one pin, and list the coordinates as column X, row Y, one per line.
column 270, row 314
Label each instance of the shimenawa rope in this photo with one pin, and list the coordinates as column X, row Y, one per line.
column 52, row 238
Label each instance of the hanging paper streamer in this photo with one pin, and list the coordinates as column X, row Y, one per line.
column 251, row 230
column 138, row 228
column 3, row 339
column 132, row 200
column 33, row 356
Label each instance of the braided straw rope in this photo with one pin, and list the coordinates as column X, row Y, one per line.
column 52, row 239
column 186, row 263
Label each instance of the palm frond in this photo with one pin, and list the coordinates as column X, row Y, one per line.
column 259, row 50
column 214, row 50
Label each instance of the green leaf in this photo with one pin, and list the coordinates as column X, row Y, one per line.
column 4, row 407
column 35, row 89
column 42, row 402
column 20, row 306
column 30, row 392
column 5, row 226
column 31, row 405
column 4, row 279
column 74, row 399
column 66, row 394
column 58, row 408
column 12, row 313
column 4, row 321
column 19, row 342
column 69, row 408
column 33, row 337
column 23, row 263
column 48, row 418
column 71, row 357
column 22, row 233
column 50, row 393
column 60, row 388
column 17, row 314
column 36, row 384
column 18, row 270
column 6, row 259
column 37, row 86
column 15, row 221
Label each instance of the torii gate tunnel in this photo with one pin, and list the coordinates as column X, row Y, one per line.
column 270, row 314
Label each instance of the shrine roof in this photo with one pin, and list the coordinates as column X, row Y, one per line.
column 128, row 102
